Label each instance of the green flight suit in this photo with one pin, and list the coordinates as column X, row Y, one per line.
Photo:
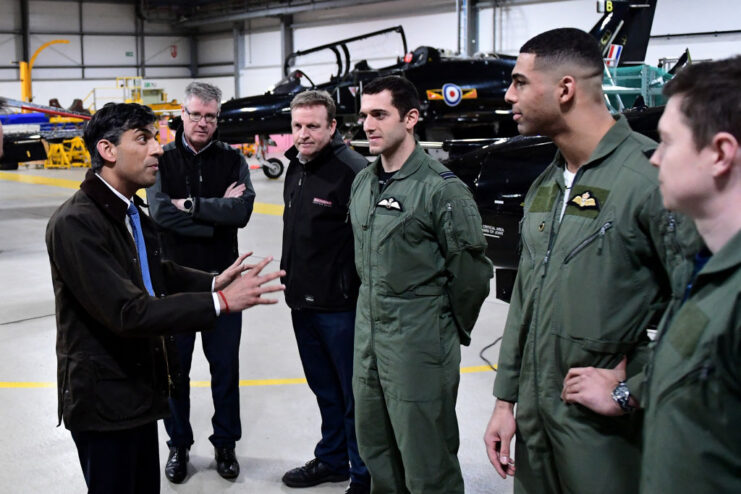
column 587, row 288
column 692, row 433
column 419, row 250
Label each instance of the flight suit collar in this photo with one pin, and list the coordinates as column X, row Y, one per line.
column 609, row 142
column 410, row 166
column 728, row 257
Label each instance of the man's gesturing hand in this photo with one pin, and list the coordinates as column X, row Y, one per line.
column 231, row 273
column 245, row 291
column 498, row 438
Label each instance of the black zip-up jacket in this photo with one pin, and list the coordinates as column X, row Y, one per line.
column 317, row 235
column 112, row 365
column 206, row 238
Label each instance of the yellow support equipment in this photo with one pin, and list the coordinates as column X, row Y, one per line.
column 77, row 152
column 57, row 157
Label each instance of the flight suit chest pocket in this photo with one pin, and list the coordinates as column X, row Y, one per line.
column 399, row 227
column 535, row 234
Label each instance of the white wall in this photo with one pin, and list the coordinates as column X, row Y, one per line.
column 264, row 65
column 513, row 25
column 428, row 22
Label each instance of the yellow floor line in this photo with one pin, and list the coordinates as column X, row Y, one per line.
column 242, row 383
column 259, row 208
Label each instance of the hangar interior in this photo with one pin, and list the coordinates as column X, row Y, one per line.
column 240, row 47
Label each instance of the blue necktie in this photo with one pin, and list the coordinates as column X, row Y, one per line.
column 141, row 248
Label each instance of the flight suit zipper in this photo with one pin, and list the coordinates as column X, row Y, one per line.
column 367, row 256
column 700, row 374
column 600, row 234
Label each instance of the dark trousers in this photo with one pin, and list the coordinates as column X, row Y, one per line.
column 120, row 462
column 325, row 344
column 221, row 347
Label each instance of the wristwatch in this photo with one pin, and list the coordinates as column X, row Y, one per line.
column 621, row 395
column 188, row 205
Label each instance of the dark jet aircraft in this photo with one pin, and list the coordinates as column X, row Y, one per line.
column 462, row 97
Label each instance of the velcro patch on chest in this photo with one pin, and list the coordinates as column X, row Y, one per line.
column 585, row 200
column 322, row 202
column 390, row 203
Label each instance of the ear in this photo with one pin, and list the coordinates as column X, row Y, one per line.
column 411, row 118
column 565, row 89
column 107, row 150
column 332, row 126
column 726, row 153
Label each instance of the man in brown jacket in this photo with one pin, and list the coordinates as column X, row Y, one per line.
column 116, row 298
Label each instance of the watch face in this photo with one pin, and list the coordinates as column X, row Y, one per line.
column 188, row 204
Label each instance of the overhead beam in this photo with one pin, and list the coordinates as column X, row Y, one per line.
column 238, row 36
column 286, row 36
column 25, row 46
column 274, row 12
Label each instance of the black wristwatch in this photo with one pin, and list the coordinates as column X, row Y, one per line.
column 188, row 204
column 621, row 395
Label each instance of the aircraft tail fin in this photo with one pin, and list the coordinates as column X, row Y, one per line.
column 626, row 23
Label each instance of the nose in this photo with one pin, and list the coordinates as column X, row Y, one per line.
column 367, row 124
column 509, row 96
column 155, row 148
column 656, row 157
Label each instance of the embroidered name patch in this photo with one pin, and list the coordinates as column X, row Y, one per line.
column 322, row 202
column 390, row 203
column 585, row 200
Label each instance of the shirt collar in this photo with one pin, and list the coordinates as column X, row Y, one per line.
column 118, row 194
column 189, row 148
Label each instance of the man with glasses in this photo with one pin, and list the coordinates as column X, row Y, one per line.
column 203, row 194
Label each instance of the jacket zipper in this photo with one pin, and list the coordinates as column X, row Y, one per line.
column 297, row 196
column 599, row 234
column 170, row 384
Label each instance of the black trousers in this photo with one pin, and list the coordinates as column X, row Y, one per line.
column 221, row 347
column 120, row 462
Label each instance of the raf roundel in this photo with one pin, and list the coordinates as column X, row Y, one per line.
column 452, row 94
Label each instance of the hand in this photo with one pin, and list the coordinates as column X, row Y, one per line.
column 593, row 388
column 245, row 291
column 178, row 203
column 230, row 274
column 498, row 438
column 235, row 190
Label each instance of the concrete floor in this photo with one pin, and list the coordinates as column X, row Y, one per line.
column 280, row 421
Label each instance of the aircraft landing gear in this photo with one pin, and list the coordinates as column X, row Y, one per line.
column 271, row 167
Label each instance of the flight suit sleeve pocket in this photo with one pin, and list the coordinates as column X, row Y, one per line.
column 463, row 229
column 687, row 328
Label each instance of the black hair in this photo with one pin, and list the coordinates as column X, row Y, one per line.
column 404, row 96
column 565, row 46
column 110, row 122
column 711, row 99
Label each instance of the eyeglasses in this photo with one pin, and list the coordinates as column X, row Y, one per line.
column 196, row 117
